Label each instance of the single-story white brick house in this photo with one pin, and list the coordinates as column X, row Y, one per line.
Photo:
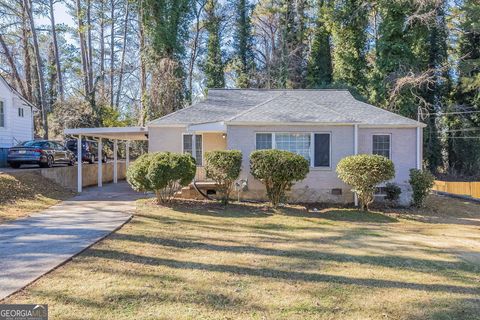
column 16, row 119
column 324, row 126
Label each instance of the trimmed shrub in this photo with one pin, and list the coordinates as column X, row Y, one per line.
column 392, row 192
column 421, row 183
column 137, row 173
column 223, row 166
column 363, row 172
column 278, row 170
column 162, row 172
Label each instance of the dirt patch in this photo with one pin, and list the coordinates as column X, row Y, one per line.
column 441, row 209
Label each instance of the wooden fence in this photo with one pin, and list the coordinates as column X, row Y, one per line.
column 471, row 189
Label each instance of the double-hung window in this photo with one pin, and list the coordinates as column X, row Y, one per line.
column 2, row 114
column 315, row 147
column 188, row 147
column 381, row 145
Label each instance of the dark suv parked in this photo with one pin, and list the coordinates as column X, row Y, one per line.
column 89, row 150
column 45, row 153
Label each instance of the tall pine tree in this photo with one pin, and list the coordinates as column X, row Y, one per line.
column 319, row 67
column 350, row 21
column 165, row 24
column 393, row 56
column 463, row 136
column 213, row 65
column 243, row 45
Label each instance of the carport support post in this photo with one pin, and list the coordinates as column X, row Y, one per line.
column 127, row 154
column 79, row 163
column 115, row 151
column 100, row 162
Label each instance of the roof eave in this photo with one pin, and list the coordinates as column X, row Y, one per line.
column 413, row 125
column 292, row 123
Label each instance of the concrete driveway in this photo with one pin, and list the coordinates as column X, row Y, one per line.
column 33, row 246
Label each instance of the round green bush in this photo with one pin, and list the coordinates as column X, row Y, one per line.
column 421, row 183
column 363, row 172
column 137, row 173
column 162, row 172
column 223, row 166
column 278, row 170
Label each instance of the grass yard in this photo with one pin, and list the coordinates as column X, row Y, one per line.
column 200, row 261
column 26, row 192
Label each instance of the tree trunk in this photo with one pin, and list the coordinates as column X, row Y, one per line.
column 26, row 55
column 195, row 45
column 102, row 50
column 16, row 76
column 143, row 72
column 39, row 64
column 89, row 51
column 112, row 48
column 83, row 54
column 124, row 48
column 57, row 52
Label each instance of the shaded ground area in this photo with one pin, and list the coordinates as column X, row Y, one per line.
column 200, row 260
column 22, row 193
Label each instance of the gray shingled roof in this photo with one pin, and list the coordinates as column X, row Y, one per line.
column 283, row 106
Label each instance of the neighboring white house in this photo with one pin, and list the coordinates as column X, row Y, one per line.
column 324, row 126
column 16, row 118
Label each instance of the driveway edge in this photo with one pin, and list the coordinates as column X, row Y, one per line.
column 70, row 258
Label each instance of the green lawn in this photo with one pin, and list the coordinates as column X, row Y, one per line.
column 200, row 261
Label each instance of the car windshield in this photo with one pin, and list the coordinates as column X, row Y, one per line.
column 32, row 143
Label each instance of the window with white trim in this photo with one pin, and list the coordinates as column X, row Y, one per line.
column 381, row 145
column 298, row 143
column 2, row 114
column 315, row 147
column 263, row 141
column 187, row 147
column 20, row 112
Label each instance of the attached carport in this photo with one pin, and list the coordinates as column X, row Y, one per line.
column 126, row 134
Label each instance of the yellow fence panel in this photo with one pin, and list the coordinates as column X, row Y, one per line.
column 471, row 189
column 475, row 189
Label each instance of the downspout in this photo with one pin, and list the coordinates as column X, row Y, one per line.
column 355, row 152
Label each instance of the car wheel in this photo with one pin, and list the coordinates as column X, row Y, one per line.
column 15, row 165
column 48, row 164
column 92, row 159
column 72, row 161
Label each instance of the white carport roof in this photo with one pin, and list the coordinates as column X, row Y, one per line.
column 120, row 133
column 114, row 133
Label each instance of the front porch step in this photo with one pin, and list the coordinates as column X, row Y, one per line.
column 189, row 192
